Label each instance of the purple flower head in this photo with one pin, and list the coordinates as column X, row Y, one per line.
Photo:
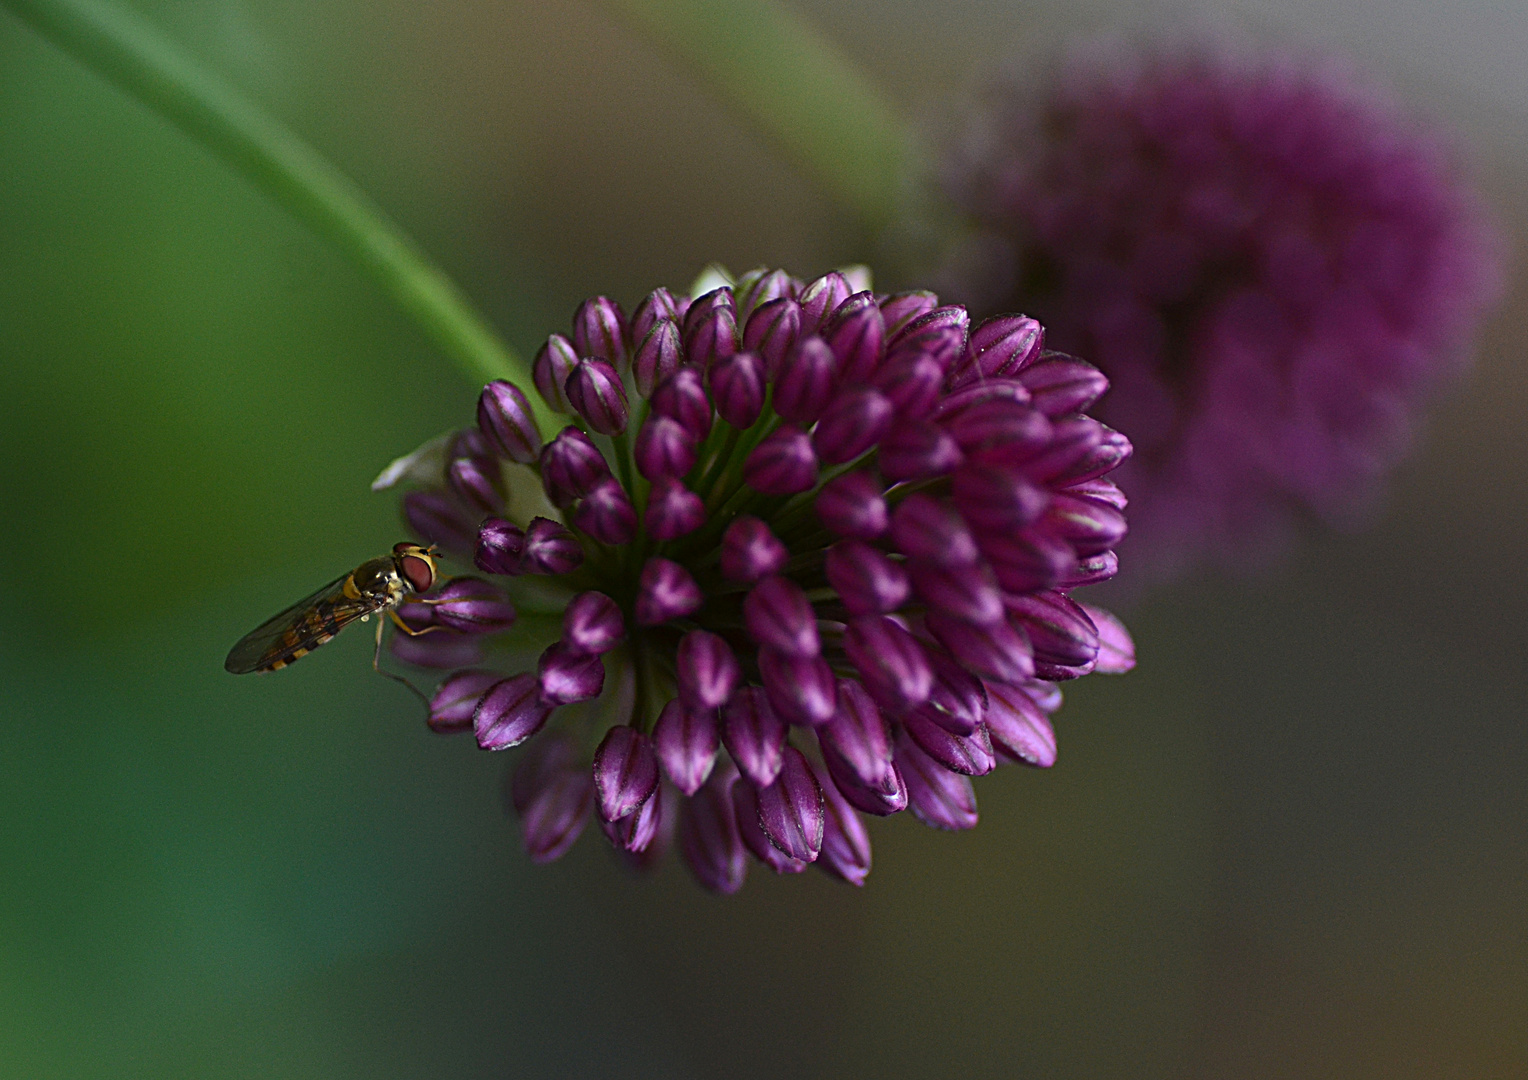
column 1273, row 266
column 850, row 597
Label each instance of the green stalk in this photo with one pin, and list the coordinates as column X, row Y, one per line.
column 120, row 47
column 784, row 76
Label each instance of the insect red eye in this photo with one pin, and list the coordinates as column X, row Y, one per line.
column 404, row 545
column 420, row 573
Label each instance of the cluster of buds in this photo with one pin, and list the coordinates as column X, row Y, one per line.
column 813, row 549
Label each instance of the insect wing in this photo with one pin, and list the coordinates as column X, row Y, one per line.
column 298, row 630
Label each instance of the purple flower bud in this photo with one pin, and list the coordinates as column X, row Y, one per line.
column 967, row 592
column 606, row 513
column 570, row 466
column 549, row 549
column 477, row 483
column 782, row 464
column 1091, row 527
column 1027, row 561
column 955, row 404
column 806, row 380
column 555, row 817
column 885, row 796
column 745, row 805
column 791, row 808
column 1064, row 639
column 902, row 308
column 712, row 337
column 437, row 518
column 499, row 545
column 1000, row 348
column 657, row 356
column 939, row 335
column 599, row 330
column 737, row 388
column 1110, row 453
column 636, row 832
column 912, row 384
column 456, row 699
column 937, row 797
column 857, row 734
column 866, row 580
column 673, row 510
column 853, row 505
column 1116, row 650
column 959, row 700
column 753, row 735
column 1073, row 440
column 820, row 298
column 703, row 307
column 799, row 687
column 592, row 624
column 891, row 663
column 505, row 418
column 542, row 762
column 851, row 424
column 625, row 772
column 438, row 650
column 970, row 755
column 759, row 287
column 924, row 528
column 1000, row 431
column 918, row 450
column 1061, row 384
column 845, row 842
column 994, row 498
column 665, row 447
column 654, row 308
column 771, row 331
column 706, row 670
column 472, row 606
column 1106, row 491
column 554, row 362
column 567, row 676
column 682, row 397
column 1018, row 728
column 665, row 591
column 468, row 442
column 1090, row 571
column 993, row 651
column 779, row 616
column 511, row 712
column 594, row 389
column 856, row 333
column 750, row 551
column 709, row 838
column 686, row 742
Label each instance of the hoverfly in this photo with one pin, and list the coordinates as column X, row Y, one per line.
column 375, row 586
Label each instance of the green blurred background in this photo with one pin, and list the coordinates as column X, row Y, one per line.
column 1294, row 843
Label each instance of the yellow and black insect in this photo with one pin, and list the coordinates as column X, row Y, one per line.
column 377, row 585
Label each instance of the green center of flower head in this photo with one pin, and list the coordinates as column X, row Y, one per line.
column 830, row 533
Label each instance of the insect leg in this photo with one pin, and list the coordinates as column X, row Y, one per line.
column 392, row 613
column 376, row 658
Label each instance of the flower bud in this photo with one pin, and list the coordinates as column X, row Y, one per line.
column 599, row 330
column 791, row 809
column 753, row 734
column 709, row 838
column 917, row 450
column 594, row 389
column 999, row 431
column 1027, row 561
column 1061, row 384
column 1090, row 526
column 592, row 624
column 499, row 544
column 682, row 397
column 925, row 528
column 705, row 306
column 541, row 762
column 1018, row 728
column 549, row 549
column 685, row 740
column 570, row 465
column 472, row 606
column 799, row 687
column 902, row 308
column 566, row 676
column 554, row 362
column 437, row 518
column 937, row 797
column 712, row 337
column 1089, row 571
column 782, row 464
column 1073, row 440
column 1000, row 347
column 706, row 670
column 657, row 356
column 857, row 734
column 806, row 380
column 654, row 308
column 772, row 331
column 853, row 505
column 457, row 697
column 438, row 650
column 967, row 592
column 606, row 513
column 745, row 805
column 940, row 335
column 891, row 663
column 778, row 616
column 851, row 424
column 959, row 700
column 759, row 287
column 1062, row 635
column 994, row 498
column 993, row 651
column 636, row 832
column 1116, row 650
column 749, row 551
column 510, row 712
column 625, row 772
column 664, row 447
column 820, row 298
column 882, row 797
column 912, row 384
column 555, row 817
column 856, row 333
column 665, row 590
column 866, row 580
column 505, row 418
column 477, row 483
column 845, row 842
column 673, row 510
column 969, row 755
column 737, row 388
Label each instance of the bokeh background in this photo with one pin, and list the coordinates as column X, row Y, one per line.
column 1293, row 843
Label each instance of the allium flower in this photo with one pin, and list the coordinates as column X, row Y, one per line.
column 1274, row 270
column 803, row 553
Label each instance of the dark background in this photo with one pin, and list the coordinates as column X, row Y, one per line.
column 1294, row 843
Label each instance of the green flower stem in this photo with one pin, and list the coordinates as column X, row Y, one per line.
column 788, row 79
column 122, row 48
